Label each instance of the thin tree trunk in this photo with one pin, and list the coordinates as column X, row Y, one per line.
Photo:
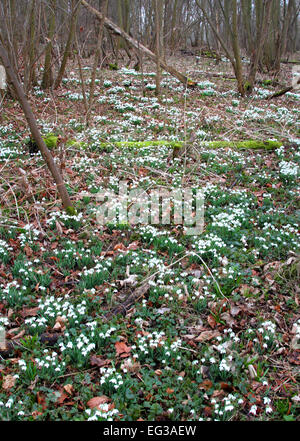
column 29, row 50
column 85, row 102
column 75, row 8
column 173, row 27
column 47, row 80
column 35, row 130
column 260, row 41
column 236, row 50
column 96, row 60
column 158, row 46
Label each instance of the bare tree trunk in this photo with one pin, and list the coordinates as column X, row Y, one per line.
column 246, row 13
column 236, row 50
column 96, row 59
column 259, row 44
column 47, row 80
column 75, row 8
column 85, row 102
column 35, row 130
column 173, row 27
column 284, row 34
column 232, row 31
column 158, row 46
column 32, row 72
column 30, row 49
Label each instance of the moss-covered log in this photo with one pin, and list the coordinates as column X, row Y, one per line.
column 251, row 144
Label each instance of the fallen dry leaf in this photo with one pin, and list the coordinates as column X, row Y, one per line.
column 211, row 321
column 19, row 335
column 69, row 389
column 96, row 360
column 206, row 385
column 59, row 324
column 133, row 245
column 206, row 336
column 96, row 401
column 120, row 246
column 131, row 366
column 228, row 319
column 122, row 349
column 169, row 390
column 8, row 382
column 29, row 312
column 28, row 251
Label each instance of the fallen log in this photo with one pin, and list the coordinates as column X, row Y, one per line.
column 250, row 144
column 285, row 90
column 124, row 307
column 138, row 46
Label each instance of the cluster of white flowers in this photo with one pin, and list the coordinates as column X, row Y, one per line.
column 296, row 329
column 134, row 119
column 12, row 289
column 52, row 307
column 267, row 326
column 75, row 96
column 280, row 151
column 57, row 215
column 101, row 265
column 103, row 412
column 226, row 364
column 281, row 115
column 228, row 404
column 50, row 361
column 231, row 220
column 4, row 130
column 116, row 89
column 81, row 343
column 30, row 235
column 8, row 403
column 210, row 243
column 201, row 134
column 290, row 169
column 3, row 321
column 123, row 107
column 267, row 330
column 152, row 341
column 107, row 333
column 205, row 85
column 111, row 376
column 4, row 250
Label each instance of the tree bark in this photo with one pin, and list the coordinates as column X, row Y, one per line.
column 158, row 46
column 35, row 130
column 259, row 45
column 47, row 80
column 96, row 60
column 75, row 8
column 236, row 50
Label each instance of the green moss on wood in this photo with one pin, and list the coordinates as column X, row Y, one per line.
column 76, row 144
column 51, row 141
column 251, row 144
column 71, row 211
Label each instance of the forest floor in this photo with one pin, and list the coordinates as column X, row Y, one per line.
column 147, row 322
